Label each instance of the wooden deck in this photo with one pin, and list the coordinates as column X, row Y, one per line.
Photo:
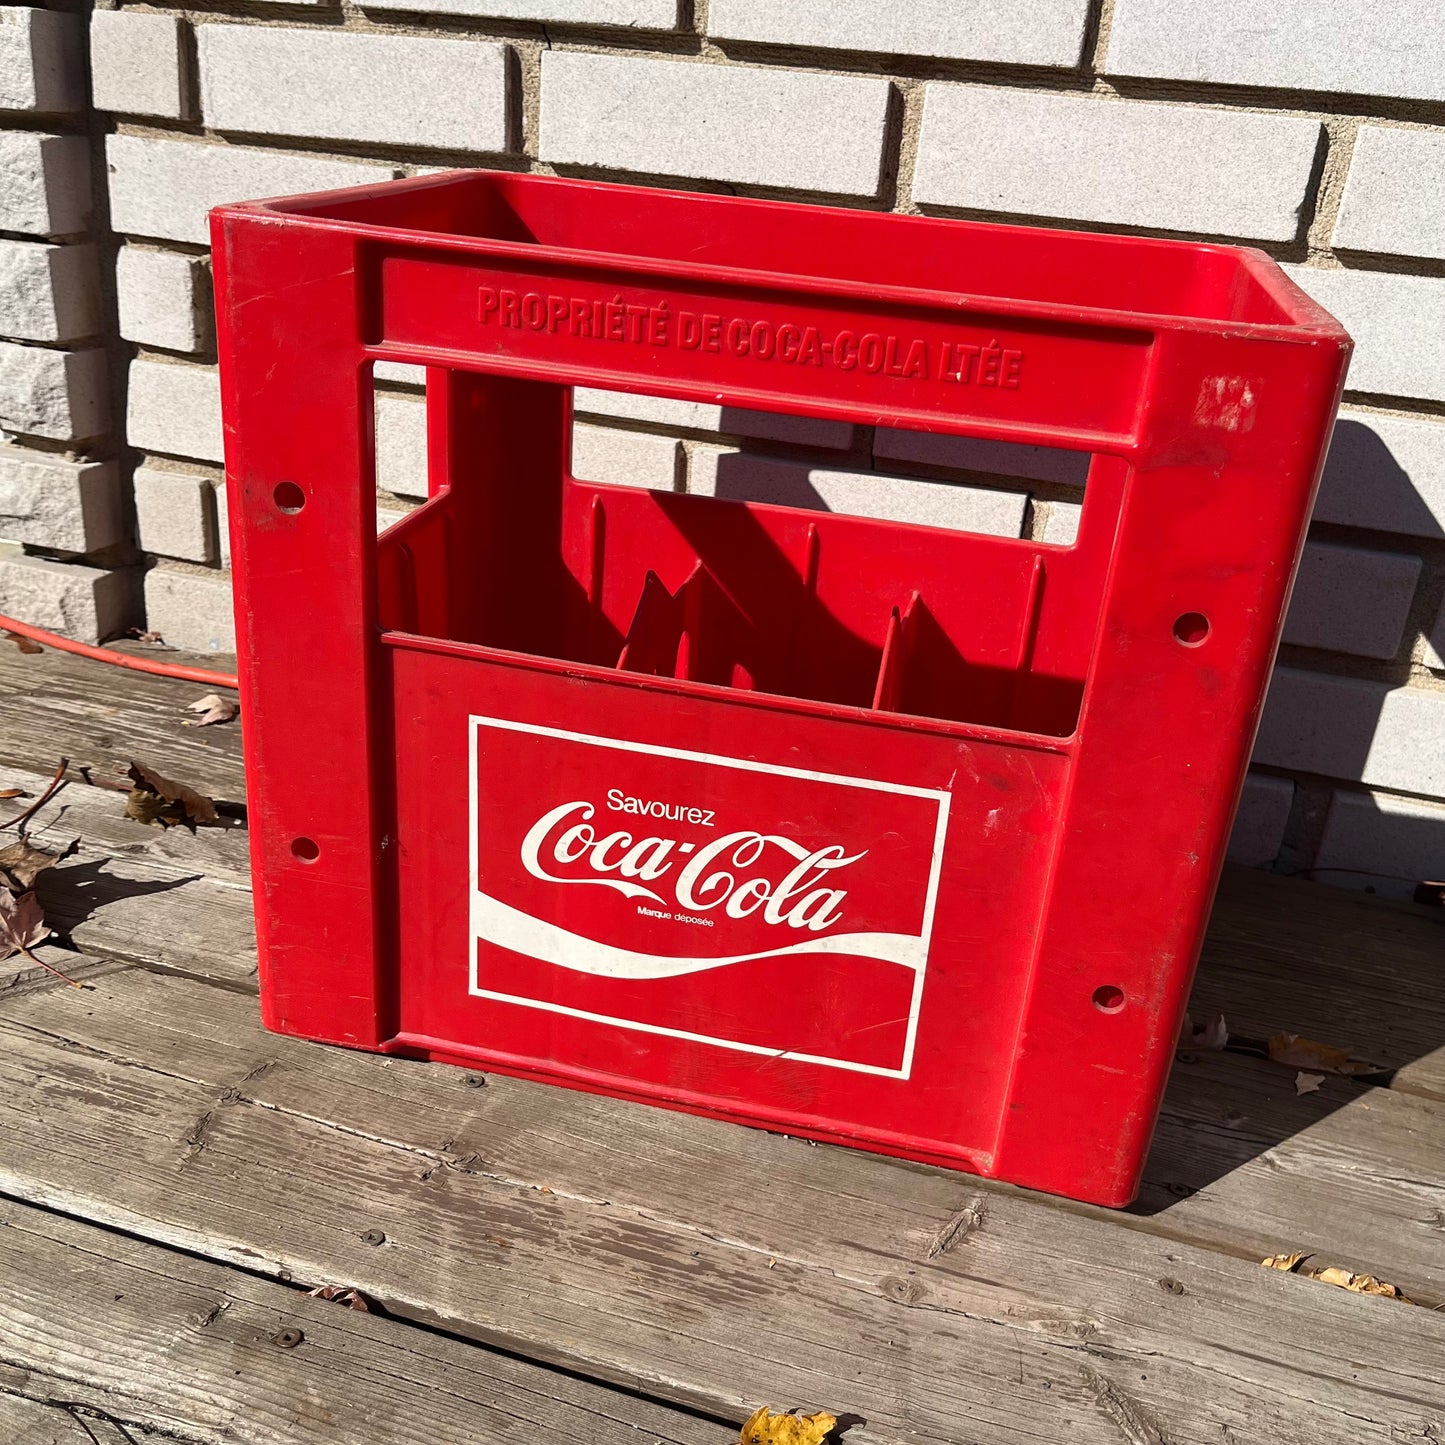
column 547, row 1266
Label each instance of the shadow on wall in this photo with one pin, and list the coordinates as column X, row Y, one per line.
column 1385, row 474
column 1367, row 483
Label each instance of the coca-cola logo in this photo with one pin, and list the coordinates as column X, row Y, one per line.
column 697, row 899
column 737, row 874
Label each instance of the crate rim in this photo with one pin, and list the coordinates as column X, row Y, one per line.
column 1311, row 323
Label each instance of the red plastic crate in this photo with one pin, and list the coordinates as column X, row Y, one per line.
column 893, row 836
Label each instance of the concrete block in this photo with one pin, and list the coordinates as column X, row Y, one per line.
column 1349, row 600
column 624, row 458
column 621, row 14
column 400, row 372
column 1386, row 473
column 58, row 394
column 175, row 515
column 1343, row 727
column 1434, row 654
column 972, row 454
column 66, row 506
column 1260, row 822
column 401, row 465
column 719, row 472
column 44, row 183
column 1398, row 323
column 1031, row 32
column 389, row 89
column 773, row 426
column 1134, row 163
column 1347, row 45
column 1379, row 842
column 760, row 126
column 85, row 603
column 192, row 611
column 41, row 66
column 135, row 64
column 1392, row 194
column 175, row 409
column 1060, row 526
column 223, row 525
column 48, row 293
column 165, row 188
column 164, row 299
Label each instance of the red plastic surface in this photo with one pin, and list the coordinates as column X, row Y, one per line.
column 887, row 835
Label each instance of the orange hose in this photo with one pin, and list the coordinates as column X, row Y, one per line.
column 118, row 659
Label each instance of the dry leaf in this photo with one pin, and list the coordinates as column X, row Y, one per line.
column 1298, row 1053
column 13, row 793
column 1368, row 1284
column 147, row 807
column 353, row 1299
column 1359, row 1283
column 26, row 644
column 1307, row 1083
column 213, row 709
column 765, row 1428
column 1286, row 1262
column 22, row 863
column 22, row 924
column 1340, row 1278
column 155, row 799
column 140, row 636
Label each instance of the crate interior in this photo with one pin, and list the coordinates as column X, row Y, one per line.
column 513, row 552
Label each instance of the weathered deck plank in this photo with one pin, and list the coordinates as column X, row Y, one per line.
column 162, row 896
column 96, row 817
column 97, row 1325
column 1240, row 1162
column 1353, row 970
column 1353, row 1174
column 27, row 1422
column 706, row 1264
column 54, row 705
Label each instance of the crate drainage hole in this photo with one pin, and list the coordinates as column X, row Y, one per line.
column 1108, row 998
column 1191, row 629
column 289, row 497
column 307, row 851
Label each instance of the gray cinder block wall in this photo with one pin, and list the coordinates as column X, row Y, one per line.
column 1316, row 131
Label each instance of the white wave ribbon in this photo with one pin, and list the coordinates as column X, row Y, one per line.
column 508, row 927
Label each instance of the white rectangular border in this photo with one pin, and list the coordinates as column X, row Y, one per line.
column 474, row 722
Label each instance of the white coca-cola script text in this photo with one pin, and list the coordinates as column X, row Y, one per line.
column 737, row 872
